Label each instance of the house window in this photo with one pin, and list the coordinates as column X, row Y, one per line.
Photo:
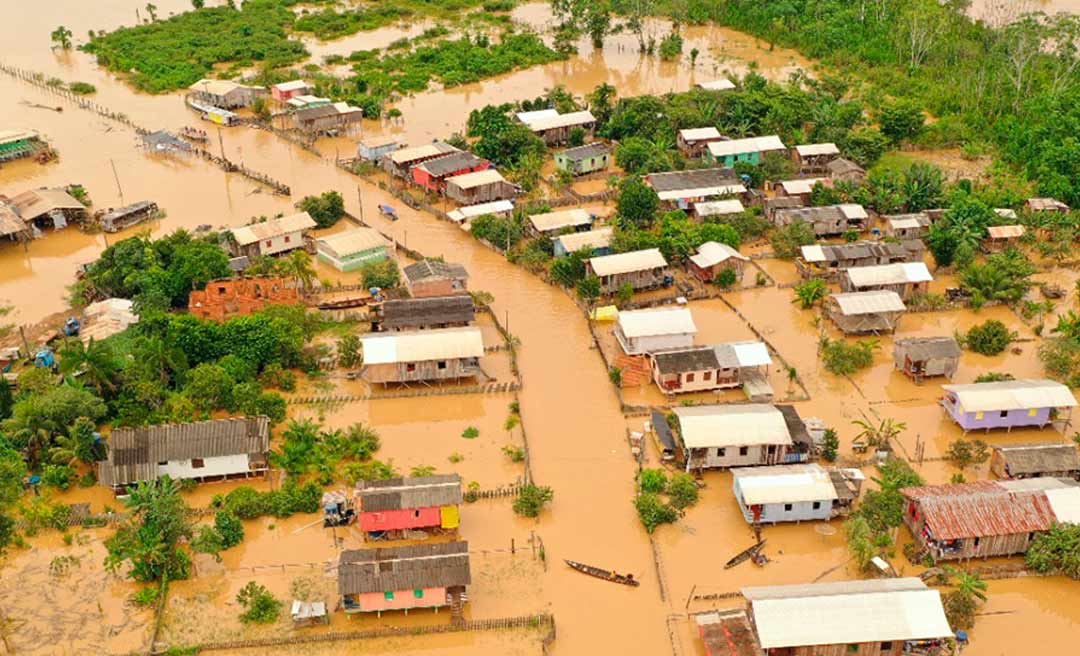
column 197, row 463
column 418, row 593
column 1034, row 412
column 163, row 463
column 410, row 367
column 788, row 507
column 772, row 449
column 690, row 377
column 886, row 646
column 743, row 450
column 221, row 290
column 707, row 375
column 853, row 649
column 416, row 513
column 979, row 415
column 386, row 565
column 441, row 364
column 976, row 542
column 269, row 243
column 720, row 452
column 817, row 505
column 389, row 596
column 1004, row 413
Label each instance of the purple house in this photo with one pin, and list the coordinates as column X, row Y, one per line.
column 1006, row 404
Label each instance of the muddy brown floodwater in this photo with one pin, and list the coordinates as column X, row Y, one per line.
column 575, row 425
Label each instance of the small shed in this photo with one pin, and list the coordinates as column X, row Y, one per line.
column 866, row 312
column 373, row 151
column 425, row 313
column 845, row 169
column 1046, row 205
column 411, row 503
column 352, row 249
column 684, row 188
column 272, row 237
column 479, row 187
column 1018, row 461
column 556, row 129
column 548, row 224
column 827, row 220
column 733, row 435
column 643, row 269
column 718, row 208
column 580, row 160
column 1002, row 237
column 665, row 440
column 48, row 206
column 922, row 357
column 693, row 142
column 907, row 226
column 904, row 278
column 423, row 356
column 401, row 160
column 706, row 368
column 751, row 150
column 784, row 493
column 435, row 278
column 433, row 173
column 722, row 84
column 802, row 188
column 712, row 257
column 773, row 205
column 498, row 208
column 598, row 242
column 283, row 91
column 404, row 578
column 644, row 331
column 327, row 119
column 1007, row 404
column 814, row 157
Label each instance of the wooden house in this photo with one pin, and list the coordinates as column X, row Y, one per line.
column 549, row 224
column 717, row 209
column 423, row 356
column 416, row 503
column 789, row 493
column 463, row 216
column 1002, row 237
column 555, row 130
column 985, row 519
column 706, row 368
column 598, row 242
column 404, row 578
column 479, row 187
column 907, row 226
column 751, row 150
column 713, row 257
column 773, row 205
column 373, row 151
column 435, row 278
column 327, row 119
column 352, row 249
column 645, row 331
column 48, row 208
column 1054, row 460
column 272, row 237
column 225, row 94
column 1006, row 404
column 15, row 144
column 125, row 217
column 739, row 435
column 684, row 188
column 1045, row 205
column 644, row 269
column 581, row 160
column 827, row 220
column 218, row 449
column 814, row 157
column 801, row 188
column 904, row 278
column 874, row 617
column 841, row 169
column 283, row 91
column 830, row 261
column 923, row 357
column 425, row 313
column 305, row 100
column 400, row 161
column 693, row 142
column 433, row 174
column 11, row 224
column 865, row 312
column 238, row 297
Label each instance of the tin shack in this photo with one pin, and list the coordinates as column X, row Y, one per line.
column 924, row 357
column 865, row 312
column 1052, row 459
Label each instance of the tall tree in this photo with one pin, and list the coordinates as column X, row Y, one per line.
column 61, row 37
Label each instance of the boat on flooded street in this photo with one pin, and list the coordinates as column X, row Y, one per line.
column 606, row 575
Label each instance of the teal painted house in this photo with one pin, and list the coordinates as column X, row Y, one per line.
column 18, row 143
column 751, row 150
column 350, row 250
column 583, row 159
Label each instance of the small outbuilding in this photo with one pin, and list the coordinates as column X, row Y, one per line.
column 924, row 357
column 121, row 218
column 272, row 237
column 718, row 209
column 373, row 151
column 1007, row 404
column 48, row 207
column 581, row 160
column 643, row 269
column 1053, row 459
column 548, row 224
column 644, row 331
column 827, row 220
column 426, row 313
column 404, row 578
column 738, row 435
column 598, row 242
column 751, row 150
column 1002, row 237
column 1045, row 205
column 464, row 215
column 845, row 170
column 773, row 205
column 283, row 91
column 722, row 84
column 352, row 249
column 904, row 278
column 693, row 142
column 784, row 493
column 684, row 188
column 327, row 119
column 479, row 187
column 865, row 312
column 435, row 278
column 416, row 503
column 907, row 226
column 712, row 257
column 423, row 356
column 814, row 157
column 802, row 188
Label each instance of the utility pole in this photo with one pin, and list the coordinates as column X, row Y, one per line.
column 360, row 200
column 117, row 178
column 221, row 143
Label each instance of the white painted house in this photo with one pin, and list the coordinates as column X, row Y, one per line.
column 784, row 493
column 644, row 331
column 272, row 237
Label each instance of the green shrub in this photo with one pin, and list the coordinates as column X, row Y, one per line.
column 786, row 240
column 515, row 453
column 726, row 278
column 82, row 88
column 471, row 433
column 58, row 476
column 260, row 607
column 1056, row 551
column 230, row 528
column 652, row 480
column 682, row 491
column 383, row 274
column 532, row 499
column 652, row 511
column 843, row 358
column 988, row 338
column 327, row 208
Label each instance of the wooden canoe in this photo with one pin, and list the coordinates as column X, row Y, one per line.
column 625, row 579
column 745, row 554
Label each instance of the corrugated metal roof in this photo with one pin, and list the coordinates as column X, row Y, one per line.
column 678, row 361
column 561, row 121
column 451, row 162
column 10, row 222
column 812, row 253
column 575, row 241
column 743, row 424
column 594, row 149
column 907, row 221
column 528, row 117
column 1012, row 395
column 898, row 273
column 427, row 311
column 723, row 84
column 750, row 353
column 352, row 241
column 699, row 134
column 409, row 492
column 855, row 303
column 569, row 218
column 847, row 211
column 920, row 349
column 803, row 185
column 424, row 345
column 712, row 253
column 831, row 588
column 749, row 145
column 810, row 150
column 656, row 322
column 1005, row 231
column 980, row 509
column 476, row 179
column 728, row 633
column 841, row 166
column 273, row 228
column 1006, row 213
column 7, row 136
column 1040, row 458
column 38, row 202
column 783, row 483
column 608, row 265
column 695, row 183
column 291, row 85
column 719, row 207
column 404, row 568
column 406, row 155
column 434, row 270
column 1044, row 204
column 472, row 211
column 216, row 87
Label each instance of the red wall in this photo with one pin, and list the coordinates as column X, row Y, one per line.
column 421, row 177
column 400, row 519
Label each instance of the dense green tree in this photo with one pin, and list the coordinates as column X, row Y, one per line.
column 149, row 540
column 327, row 208
column 637, row 203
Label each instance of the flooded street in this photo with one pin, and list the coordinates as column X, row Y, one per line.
column 574, row 423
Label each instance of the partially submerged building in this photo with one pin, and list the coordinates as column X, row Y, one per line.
column 479, row 187
column 640, row 269
column 435, row 278
column 581, row 160
column 1002, row 237
column 217, row 449
column 283, row 91
column 272, row 237
column 376, row 150
column 987, row 518
column 225, row 94
column 433, row 174
column 924, row 357
column 815, row 157
column 404, row 578
column 352, row 249
column 425, row 313
column 644, row 331
column 740, row 435
column 597, row 242
column 555, row 130
column 16, row 144
column 751, row 150
column 773, row 205
column 11, row 224
column 907, row 226
column 1007, row 404
column 121, row 218
column 904, row 278
column 722, row 84
column 865, row 312
column 684, row 188
column 693, row 142
column 1018, row 461
column 548, row 224
column 827, row 220
column 416, row 503
column 712, row 257
column 790, row 493
column 713, row 367
column 401, row 160
column 423, row 356
column 48, row 207
column 829, row 261
column 327, row 119
column 223, row 299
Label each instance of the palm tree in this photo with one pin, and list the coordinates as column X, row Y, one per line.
column 95, row 361
column 880, row 434
column 967, row 583
column 64, row 452
column 1068, row 326
column 160, row 358
column 297, row 265
column 36, row 441
column 61, row 36
column 151, row 9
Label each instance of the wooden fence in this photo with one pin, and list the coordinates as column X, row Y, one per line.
column 488, row 388
column 500, row 492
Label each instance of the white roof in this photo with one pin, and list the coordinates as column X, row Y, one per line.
column 472, row 211
column 853, row 211
column 817, row 149
column 1065, row 502
column 723, row 84
column 717, row 207
column 291, row 85
column 698, row 134
column 714, row 252
column 855, row 303
column 215, row 87
column 1005, row 231
column 423, row 345
column 748, row 145
column 558, row 220
column 250, row 234
column 751, row 354
column 561, row 121
column 476, row 178
column 1006, row 213
column 1012, row 395
column 745, row 424
column 653, row 323
column 575, row 241
column 17, row 135
column 353, row 241
column 608, row 265
column 898, row 273
column 701, row 192
column 812, row 253
column 903, row 223
column 529, row 117
column 881, row 611
column 802, row 186
column 418, row 152
column 783, row 483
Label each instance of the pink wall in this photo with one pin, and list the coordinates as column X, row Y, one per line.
column 400, row 519
column 374, row 601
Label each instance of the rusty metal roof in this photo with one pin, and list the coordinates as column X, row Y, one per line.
column 980, row 509
column 410, row 492
column 412, row 567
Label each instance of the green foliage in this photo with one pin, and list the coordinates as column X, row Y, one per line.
column 1004, row 277
column 532, row 499
column 615, row 376
column 372, row 470
column 329, row 24
column 348, row 350
column 502, row 233
column 383, row 274
column 652, row 480
column 810, row 292
column 726, row 278
column 671, row 46
column 471, row 433
column 61, row 37
column 901, row 120
column 991, row 337
column 515, row 453
column 229, row 527
column 652, row 511
column 993, row 377
column 883, row 509
column 637, row 202
column 149, row 540
column 788, row 239
column 327, row 208
column 964, row 453
column 682, row 491
column 845, row 358
column 588, row 289
column 1056, row 551
column 146, row 597
column 260, row 607
column 245, row 502
column 58, row 476
column 1061, row 359
column 569, row 269
column 82, row 88
column 831, row 446
column 422, row 470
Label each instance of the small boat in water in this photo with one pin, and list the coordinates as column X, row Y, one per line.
column 194, row 134
column 746, row 554
column 625, row 579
